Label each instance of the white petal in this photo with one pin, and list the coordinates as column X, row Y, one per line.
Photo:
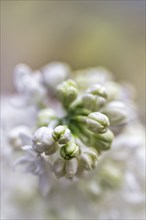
column 26, row 139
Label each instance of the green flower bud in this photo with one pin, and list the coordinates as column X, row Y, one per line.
column 45, row 116
column 62, row 134
column 89, row 158
column 67, row 92
column 110, row 176
column 69, row 151
column 59, row 167
column 93, row 102
column 71, row 167
column 97, row 122
column 43, row 141
column 116, row 111
column 103, row 141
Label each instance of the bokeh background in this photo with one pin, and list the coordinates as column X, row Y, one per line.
column 81, row 33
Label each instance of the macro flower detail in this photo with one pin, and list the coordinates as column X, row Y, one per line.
column 69, row 150
column 97, row 122
column 62, row 134
column 72, row 132
column 43, row 141
column 95, row 97
column 67, row 92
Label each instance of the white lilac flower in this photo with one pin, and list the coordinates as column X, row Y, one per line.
column 15, row 136
column 88, row 176
column 36, row 165
column 30, row 85
column 73, row 142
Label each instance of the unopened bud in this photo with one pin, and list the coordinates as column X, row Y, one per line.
column 89, row 158
column 102, row 141
column 43, row 141
column 93, row 102
column 67, row 92
column 69, row 151
column 62, row 134
column 97, row 122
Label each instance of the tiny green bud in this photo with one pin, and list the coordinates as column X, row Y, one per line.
column 62, row 134
column 67, row 92
column 89, row 158
column 45, row 116
column 103, row 141
column 117, row 112
column 69, row 151
column 59, row 167
column 97, row 122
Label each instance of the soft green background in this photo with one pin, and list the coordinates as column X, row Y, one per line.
column 81, row 33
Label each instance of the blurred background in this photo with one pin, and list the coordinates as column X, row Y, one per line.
column 81, row 33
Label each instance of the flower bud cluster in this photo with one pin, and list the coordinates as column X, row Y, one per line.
column 73, row 142
column 47, row 140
